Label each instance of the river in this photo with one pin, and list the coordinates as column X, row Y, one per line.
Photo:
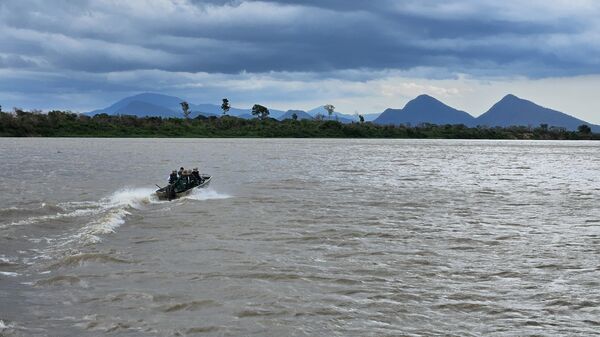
column 300, row 237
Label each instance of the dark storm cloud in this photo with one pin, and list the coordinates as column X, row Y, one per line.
column 307, row 36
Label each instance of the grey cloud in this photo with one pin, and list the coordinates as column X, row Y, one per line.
column 285, row 35
column 69, row 46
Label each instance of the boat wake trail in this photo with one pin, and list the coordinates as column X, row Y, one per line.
column 86, row 222
column 64, row 228
column 206, row 194
column 111, row 212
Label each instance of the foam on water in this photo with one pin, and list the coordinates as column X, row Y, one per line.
column 133, row 197
column 8, row 261
column 116, row 207
column 9, row 273
column 111, row 212
column 206, row 194
column 102, row 217
column 37, row 219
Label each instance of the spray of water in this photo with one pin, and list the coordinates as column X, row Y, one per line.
column 107, row 214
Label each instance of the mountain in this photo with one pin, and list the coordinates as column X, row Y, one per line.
column 142, row 109
column 153, row 101
column 370, row 117
column 340, row 117
column 242, row 113
column 512, row 110
column 215, row 110
column 151, row 104
column 246, row 116
column 425, row 109
column 272, row 113
column 300, row 113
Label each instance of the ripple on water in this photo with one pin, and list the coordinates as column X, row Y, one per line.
column 80, row 259
column 190, row 306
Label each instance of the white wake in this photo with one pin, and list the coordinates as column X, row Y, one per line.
column 107, row 214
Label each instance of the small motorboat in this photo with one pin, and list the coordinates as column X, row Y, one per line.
column 174, row 191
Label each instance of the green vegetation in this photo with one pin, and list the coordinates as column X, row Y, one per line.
column 584, row 129
column 260, row 111
column 67, row 124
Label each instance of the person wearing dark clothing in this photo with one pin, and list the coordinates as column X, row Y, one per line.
column 180, row 173
column 173, row 177
column 180, row 183
column 196, row 175
column 187, row 177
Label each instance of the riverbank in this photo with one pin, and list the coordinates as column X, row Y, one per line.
column 66, row 124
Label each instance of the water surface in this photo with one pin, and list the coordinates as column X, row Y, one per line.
column 300, row 238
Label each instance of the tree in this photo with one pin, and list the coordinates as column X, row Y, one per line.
column 225, row 106
column 585, row 129
column 330, row 109
column 294, row 116
column 186, row 109
column 361, row 118
column 260, row 111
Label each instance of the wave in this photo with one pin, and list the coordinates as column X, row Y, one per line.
column 7, row 262
column 110, row 212
column 189, row 306
column 9, row 273
column 4, row 326
column 112, row 208
column 90, row 221
column 59, row 280
column 206, row 194
column 83, row 258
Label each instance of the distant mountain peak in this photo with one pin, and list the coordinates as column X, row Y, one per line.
column 146, row 94
column 425, row 103
column 425, row 97
column 512, row 110
column 510, row 98
column 425, row 109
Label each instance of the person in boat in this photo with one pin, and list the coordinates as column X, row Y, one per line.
column 173, row 177
column 196, row 175
column 181, row 182
column 180, row 173
column 188, row 177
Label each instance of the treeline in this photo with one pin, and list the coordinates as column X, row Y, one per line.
column 66, row 124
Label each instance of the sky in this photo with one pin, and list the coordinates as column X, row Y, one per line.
column 361, row 56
